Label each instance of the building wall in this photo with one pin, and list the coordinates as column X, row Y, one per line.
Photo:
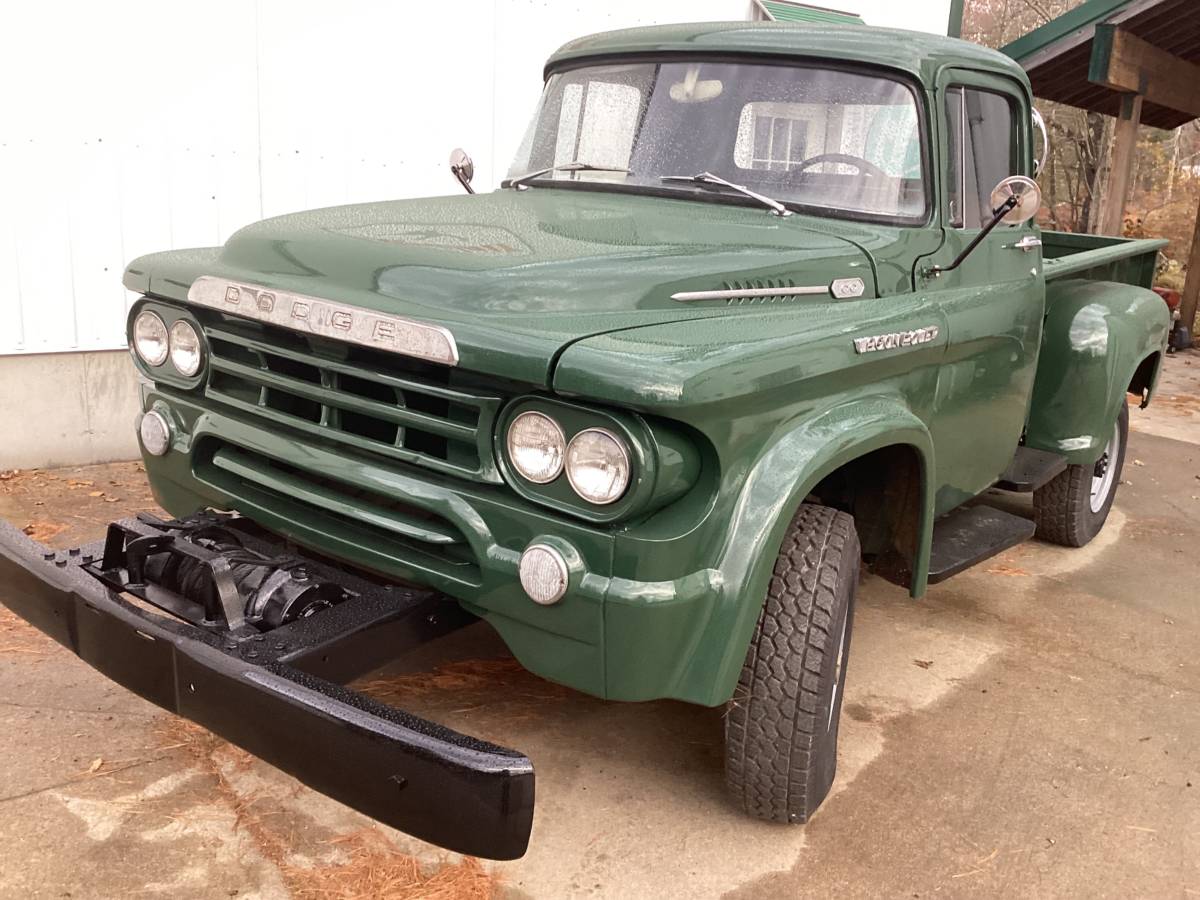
column 67, row 408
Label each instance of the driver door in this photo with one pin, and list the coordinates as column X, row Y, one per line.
column 994, row 302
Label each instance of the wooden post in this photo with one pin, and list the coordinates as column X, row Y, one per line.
column 1112, row 217
column 1191, row 291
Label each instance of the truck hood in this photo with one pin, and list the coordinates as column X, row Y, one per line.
column 517, row 276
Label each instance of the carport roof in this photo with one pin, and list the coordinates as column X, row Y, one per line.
column 1058, row 56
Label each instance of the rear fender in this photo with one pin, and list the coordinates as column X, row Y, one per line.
column 1097, row 336
column 804, row 453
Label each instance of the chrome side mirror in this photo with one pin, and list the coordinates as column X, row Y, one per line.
column 462, row 168
column 1019, row 197
column 1015, row 201
column 1040, row 124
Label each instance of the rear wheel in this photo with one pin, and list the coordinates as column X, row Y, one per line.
column 781, row 727
column 1072, row 508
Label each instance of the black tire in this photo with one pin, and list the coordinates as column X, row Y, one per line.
column 781, row 726
column 1064, row 509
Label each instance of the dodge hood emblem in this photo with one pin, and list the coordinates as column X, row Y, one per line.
column 340, row 321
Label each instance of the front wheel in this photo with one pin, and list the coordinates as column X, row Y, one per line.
column 781, row 726
column 1072, row 508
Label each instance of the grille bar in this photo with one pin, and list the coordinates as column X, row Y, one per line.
column 327, row 397
column 244, row 466
column 361, row 399
column 359, row 371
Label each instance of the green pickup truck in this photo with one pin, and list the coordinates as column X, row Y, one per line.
column 758, row 306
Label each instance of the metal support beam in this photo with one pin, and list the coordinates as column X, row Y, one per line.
column 1112, row 216
column 1124, row 62
column 954, row 26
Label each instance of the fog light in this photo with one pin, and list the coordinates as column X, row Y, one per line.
column 543, row 574
column 155, row 433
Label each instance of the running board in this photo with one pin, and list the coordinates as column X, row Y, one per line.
column 1030, row 469
column 969, row 535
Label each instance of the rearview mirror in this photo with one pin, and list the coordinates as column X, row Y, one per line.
column 462, row 168
column 1028, row 199
column 693, row 89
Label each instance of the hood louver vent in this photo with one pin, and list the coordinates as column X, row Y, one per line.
column 761, row 285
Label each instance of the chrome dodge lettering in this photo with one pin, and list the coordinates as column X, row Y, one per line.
column 353, row 324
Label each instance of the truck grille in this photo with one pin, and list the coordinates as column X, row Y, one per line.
column 389, row 533
column 376, row 402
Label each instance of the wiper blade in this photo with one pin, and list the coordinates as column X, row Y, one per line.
column 711, row 180
column 574, row 166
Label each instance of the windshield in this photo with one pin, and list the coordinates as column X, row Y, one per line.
column 843, row 142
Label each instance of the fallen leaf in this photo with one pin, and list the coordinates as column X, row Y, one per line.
column 111, row 499
column 43, row 531
column 1138, row 462
column 75, row 482
column 923, row 663
column 95, row 493
column 13, row 473
column 1011, row 571
column 96, row 764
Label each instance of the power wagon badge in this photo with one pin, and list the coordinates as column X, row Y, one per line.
column 896, row 340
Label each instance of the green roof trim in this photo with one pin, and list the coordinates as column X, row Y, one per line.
column 782, row 11
column 1081, row 18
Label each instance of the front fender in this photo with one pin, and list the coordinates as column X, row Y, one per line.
column 803, row 453
column 1096, row 336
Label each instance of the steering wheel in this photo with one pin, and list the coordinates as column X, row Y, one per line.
column 865, row 167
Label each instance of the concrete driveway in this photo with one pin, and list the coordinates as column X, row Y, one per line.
column 1029, row 728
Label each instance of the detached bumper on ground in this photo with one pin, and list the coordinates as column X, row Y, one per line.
column 276, row 695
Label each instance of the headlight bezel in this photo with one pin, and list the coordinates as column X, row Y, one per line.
column 664, row 462
column 167, row 372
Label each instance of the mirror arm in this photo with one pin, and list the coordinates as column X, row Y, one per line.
column 997, row 217
column 462, row 179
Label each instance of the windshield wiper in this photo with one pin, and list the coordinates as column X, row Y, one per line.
column 575, row 166
column 711, row 180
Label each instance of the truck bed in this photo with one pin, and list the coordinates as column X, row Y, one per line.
column 1097, row 258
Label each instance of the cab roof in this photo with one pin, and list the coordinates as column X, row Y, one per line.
column 915, row 53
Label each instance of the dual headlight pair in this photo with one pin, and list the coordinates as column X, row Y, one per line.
column 153, row 343
column 596, row 460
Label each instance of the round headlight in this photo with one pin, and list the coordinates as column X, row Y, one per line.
column 155, row 433
column 150, row 338
column 598, row 466
column 543, row 573
column 185, row 348
column 535, row 446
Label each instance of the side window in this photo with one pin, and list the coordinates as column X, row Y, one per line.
column 774, row 136
column 982, row 152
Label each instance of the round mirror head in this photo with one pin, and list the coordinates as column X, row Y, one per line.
column 461, row 165
column 1028, row 199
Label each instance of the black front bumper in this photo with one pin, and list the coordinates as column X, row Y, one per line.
column 272, row 695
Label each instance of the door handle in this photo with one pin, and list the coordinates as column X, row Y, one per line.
column 1028, row 243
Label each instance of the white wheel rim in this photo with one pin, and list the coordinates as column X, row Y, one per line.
column 837, row 675
column 1102, row 484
